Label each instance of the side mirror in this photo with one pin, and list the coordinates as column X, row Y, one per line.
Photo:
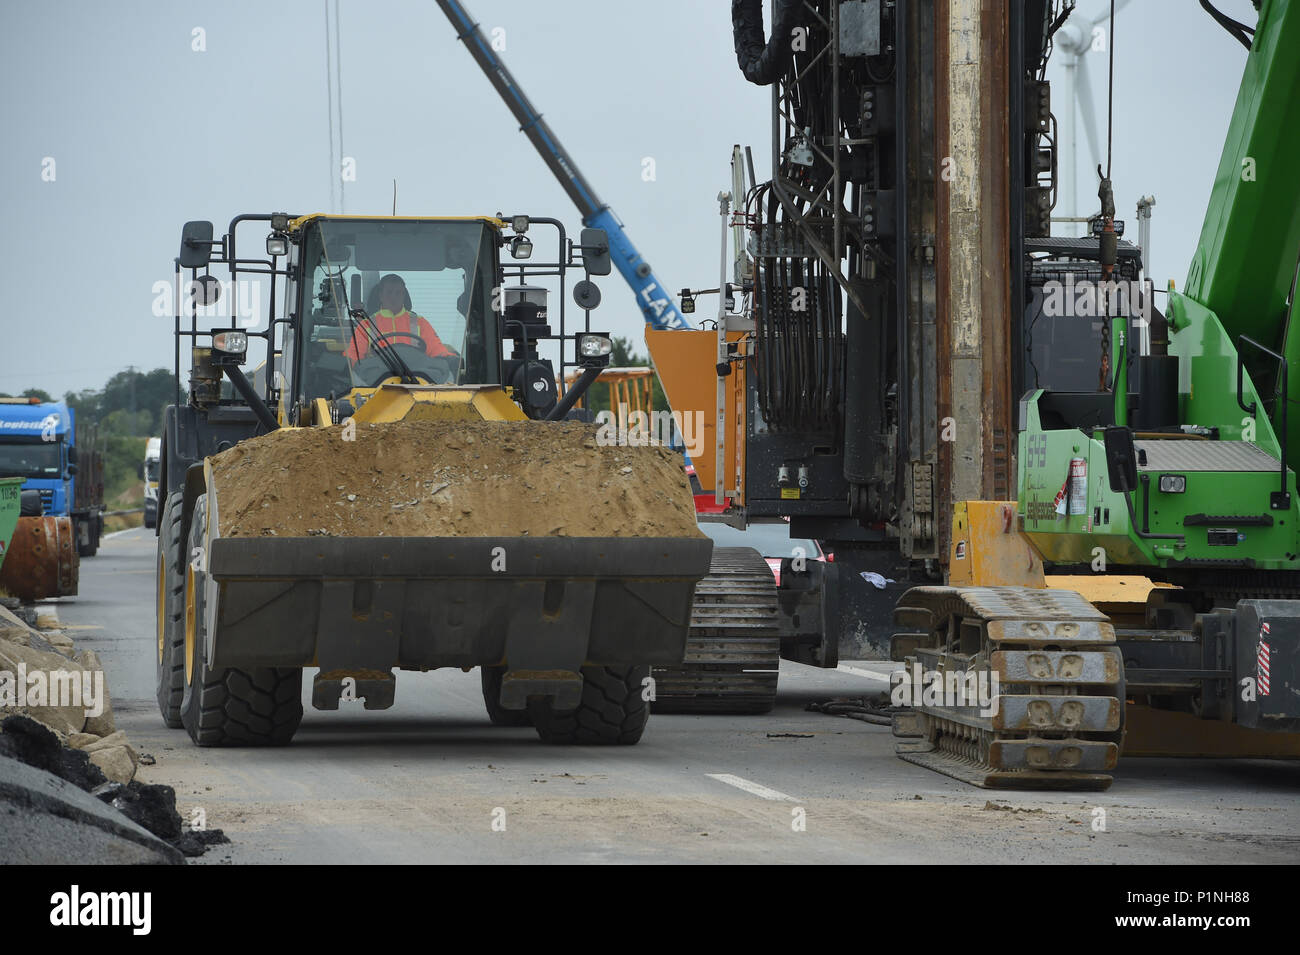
column 196, row 245
column 72, row 454
column 72, row 469
column 1121, row 459
column 595, row 251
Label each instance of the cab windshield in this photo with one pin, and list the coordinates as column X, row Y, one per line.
column 405, row 299
column 31, row 459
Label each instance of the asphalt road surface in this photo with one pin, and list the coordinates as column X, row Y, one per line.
column 430, row 780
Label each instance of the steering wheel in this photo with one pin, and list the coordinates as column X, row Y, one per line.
column 387, row 338
column 373, row 370
column 445, row 366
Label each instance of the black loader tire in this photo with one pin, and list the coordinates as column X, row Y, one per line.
column 613, row 710
column 227, row 706
column 170, row 644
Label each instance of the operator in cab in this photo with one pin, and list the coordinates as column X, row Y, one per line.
column 395, row 320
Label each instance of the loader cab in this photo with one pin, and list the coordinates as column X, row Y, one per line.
column 355, row 303
column 343, row 335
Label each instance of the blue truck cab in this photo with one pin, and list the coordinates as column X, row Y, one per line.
column 38, row 442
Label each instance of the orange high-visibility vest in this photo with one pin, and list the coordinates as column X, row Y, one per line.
column 388, row 322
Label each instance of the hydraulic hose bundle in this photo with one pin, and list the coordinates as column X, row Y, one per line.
column 763, row 61
column 799, row 355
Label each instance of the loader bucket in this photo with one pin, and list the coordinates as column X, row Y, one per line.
column 433, row 543
column 548, row 606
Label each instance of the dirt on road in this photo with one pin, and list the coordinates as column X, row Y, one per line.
column 450, row 479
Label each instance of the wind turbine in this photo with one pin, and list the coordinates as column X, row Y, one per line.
column 1076, row 38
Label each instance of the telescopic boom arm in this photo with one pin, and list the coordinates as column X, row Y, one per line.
column 651, row 294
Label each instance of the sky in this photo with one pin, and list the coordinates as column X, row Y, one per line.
column 124, row 119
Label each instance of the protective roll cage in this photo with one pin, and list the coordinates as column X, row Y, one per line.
column 199, row 251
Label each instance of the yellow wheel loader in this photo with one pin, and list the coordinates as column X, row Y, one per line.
column 376, row 328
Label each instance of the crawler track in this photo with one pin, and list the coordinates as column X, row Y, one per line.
column 1057, row 720
column 733, row 652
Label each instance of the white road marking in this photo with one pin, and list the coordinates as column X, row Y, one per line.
column 109, row 537
column 863, row 672
column 750, row 787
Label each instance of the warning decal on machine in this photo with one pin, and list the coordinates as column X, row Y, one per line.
column 1072, row 498
column 1261, row 660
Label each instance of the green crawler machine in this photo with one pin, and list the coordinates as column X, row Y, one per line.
column 1176, row 464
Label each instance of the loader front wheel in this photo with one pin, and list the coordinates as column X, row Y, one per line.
column 498, row 714
column 171, row 612
column 613, row 710
column 227, row 706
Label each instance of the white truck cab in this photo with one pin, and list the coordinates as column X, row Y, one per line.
column 152, row 455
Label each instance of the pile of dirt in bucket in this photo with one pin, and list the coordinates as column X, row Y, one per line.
column 450, row 479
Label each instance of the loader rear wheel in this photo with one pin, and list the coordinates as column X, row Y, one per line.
column 171, row 613
column 227, row 706
column 498, row 714
column 612, row 710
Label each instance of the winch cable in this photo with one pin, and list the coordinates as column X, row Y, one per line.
column 1108, row 241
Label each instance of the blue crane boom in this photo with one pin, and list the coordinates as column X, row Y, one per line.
column 652, row 296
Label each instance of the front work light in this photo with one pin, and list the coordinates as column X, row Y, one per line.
column 521, row 247
column 1173, row 483
column 594, row 346
column 232, row 343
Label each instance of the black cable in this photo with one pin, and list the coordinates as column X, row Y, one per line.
column 1066, row 10
column 1236, row 29
column 879, row 711
column 763, row 60
column 1110, row 91
column 889, row 74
